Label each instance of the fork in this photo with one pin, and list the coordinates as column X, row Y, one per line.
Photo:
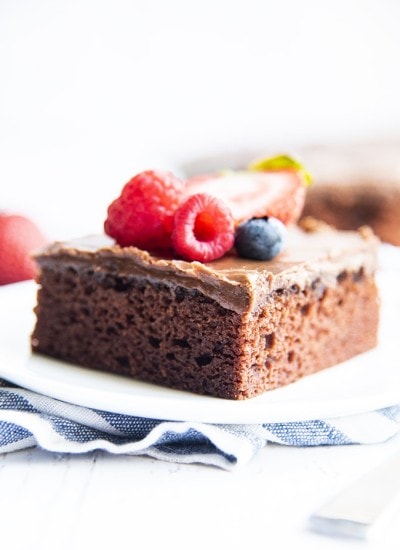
column 356, row 510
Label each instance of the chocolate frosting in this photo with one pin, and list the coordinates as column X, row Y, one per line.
column 317, row 253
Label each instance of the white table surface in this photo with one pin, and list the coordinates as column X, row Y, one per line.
column 51, row 501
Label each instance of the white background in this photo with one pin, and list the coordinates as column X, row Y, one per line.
column 93, row 91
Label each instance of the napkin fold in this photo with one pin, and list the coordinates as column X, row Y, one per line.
column 29, row 419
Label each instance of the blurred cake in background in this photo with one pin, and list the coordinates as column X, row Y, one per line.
column 356, row 185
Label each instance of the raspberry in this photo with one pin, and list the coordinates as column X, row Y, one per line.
column 142, row 215
column 203, row 228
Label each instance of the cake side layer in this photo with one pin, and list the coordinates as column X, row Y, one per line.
column 303, row 331
column 173, row 336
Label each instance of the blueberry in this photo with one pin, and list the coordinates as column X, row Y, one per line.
column 260, row 238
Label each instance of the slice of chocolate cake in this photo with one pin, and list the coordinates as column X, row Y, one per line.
column 231, row 328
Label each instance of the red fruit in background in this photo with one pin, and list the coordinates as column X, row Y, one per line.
column 203, row 228
column 19, row 237
column 142, row 215
column 273, row 187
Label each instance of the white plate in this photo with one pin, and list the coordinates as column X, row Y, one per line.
column 367, row 382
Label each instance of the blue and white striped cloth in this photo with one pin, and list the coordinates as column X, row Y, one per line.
column 28, row 419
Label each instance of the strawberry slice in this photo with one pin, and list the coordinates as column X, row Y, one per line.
column 270, row 187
